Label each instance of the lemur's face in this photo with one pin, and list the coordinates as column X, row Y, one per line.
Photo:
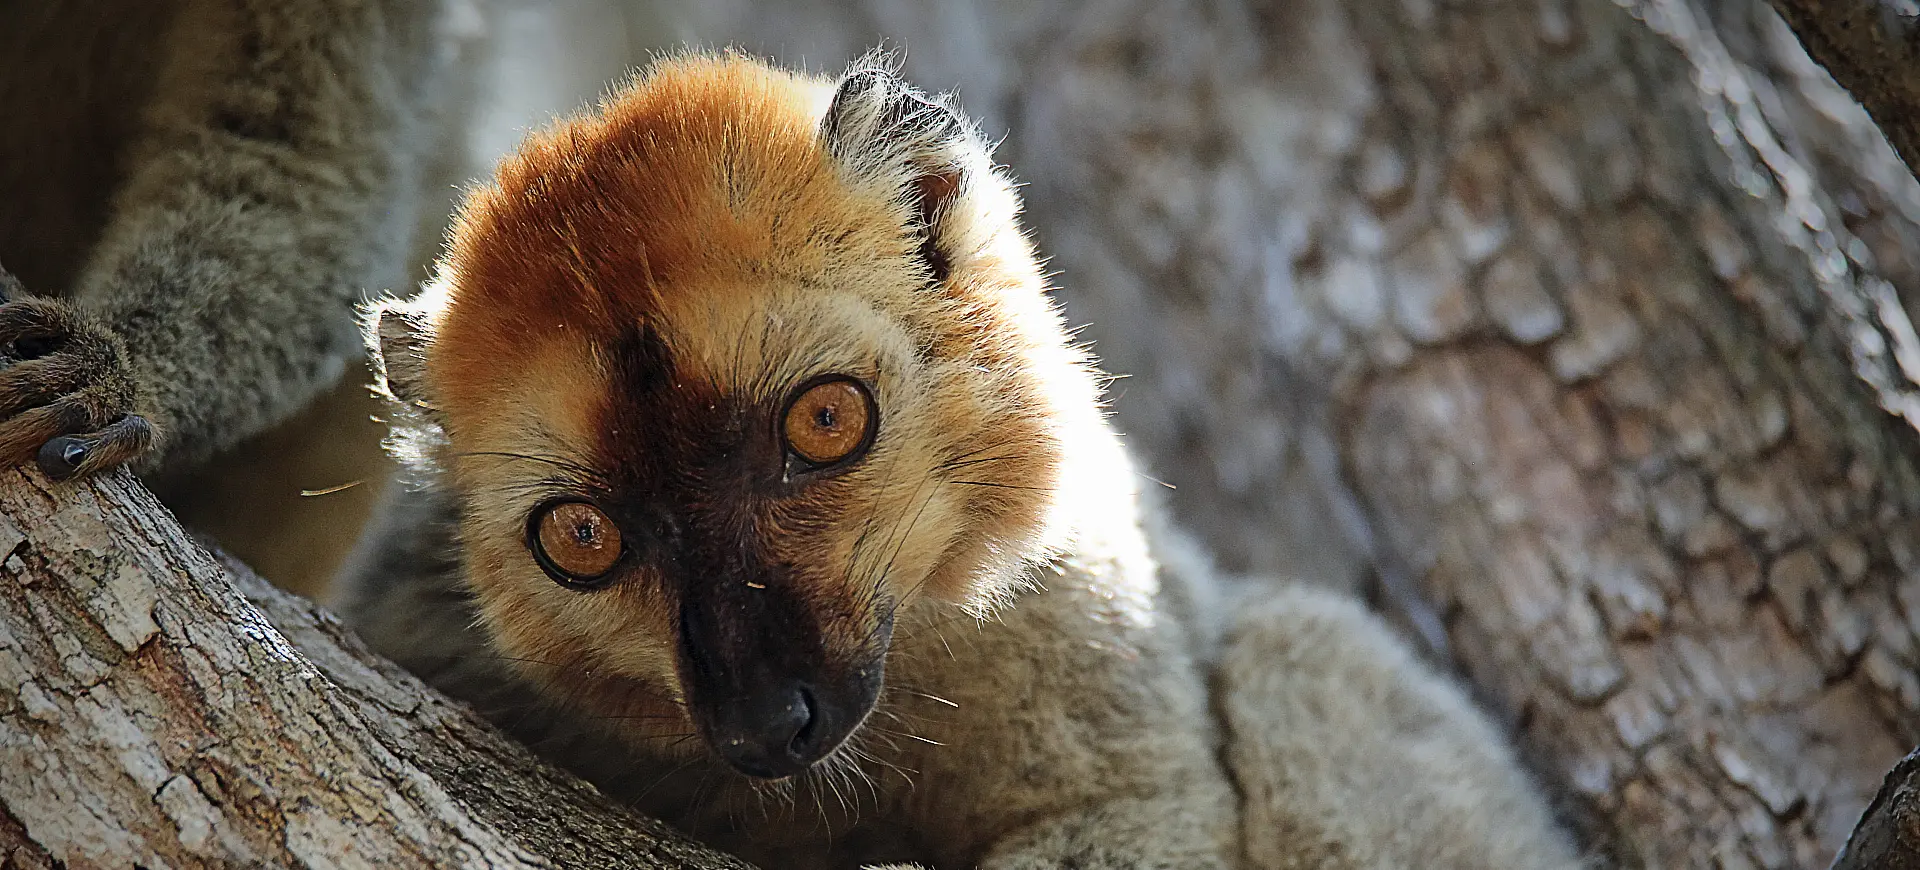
column 719, row 408
column 730, row 502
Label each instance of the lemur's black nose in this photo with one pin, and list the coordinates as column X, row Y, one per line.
column 772, row 733
column 766, row 693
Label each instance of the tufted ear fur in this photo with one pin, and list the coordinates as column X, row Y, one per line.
column 398, row 333
column 887, row 132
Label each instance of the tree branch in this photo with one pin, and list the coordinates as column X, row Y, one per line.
column 159, row 707
column 1873, row 50
column 1888, row 837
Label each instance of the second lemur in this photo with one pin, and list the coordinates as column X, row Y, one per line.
column 759, row 481
column 196, row 193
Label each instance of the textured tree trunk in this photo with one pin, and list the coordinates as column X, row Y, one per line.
column 1872, row 48
column 159, row 708
column 1571, row 329
column 1888, row 837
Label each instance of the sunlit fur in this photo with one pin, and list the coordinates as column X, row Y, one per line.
column 701, row 201
column 627, row 303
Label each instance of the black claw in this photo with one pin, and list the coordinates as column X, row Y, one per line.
column 60, row 457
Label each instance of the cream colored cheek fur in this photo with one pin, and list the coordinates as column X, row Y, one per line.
column 550, row 626
column 622, row 629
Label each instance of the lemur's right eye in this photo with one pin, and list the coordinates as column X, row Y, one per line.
column 576, row 543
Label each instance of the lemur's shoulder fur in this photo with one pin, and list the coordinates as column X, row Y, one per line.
column 753, row 445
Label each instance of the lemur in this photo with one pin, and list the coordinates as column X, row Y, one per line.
column 758, row 480
column 193, row 196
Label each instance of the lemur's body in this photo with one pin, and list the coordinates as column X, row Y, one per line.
column 762, row 485
column 196, row 193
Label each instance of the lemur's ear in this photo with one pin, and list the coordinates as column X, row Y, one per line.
column 887, row 131
column 398, row 333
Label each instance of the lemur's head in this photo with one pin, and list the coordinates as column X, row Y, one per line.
column 728, row 373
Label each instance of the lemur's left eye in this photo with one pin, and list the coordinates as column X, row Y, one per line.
column 829, row 420
column 575, row 542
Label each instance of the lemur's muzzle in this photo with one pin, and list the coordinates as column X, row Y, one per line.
column 761, row 687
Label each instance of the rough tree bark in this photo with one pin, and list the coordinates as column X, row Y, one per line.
column 1888, row 837
column 161, row 709
column 1571, row 328
column 1872, row 48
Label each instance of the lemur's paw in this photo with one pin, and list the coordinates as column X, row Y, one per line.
column 66, row 397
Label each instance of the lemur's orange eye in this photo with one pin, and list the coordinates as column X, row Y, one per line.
column 830, row 421
column 575, row 542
